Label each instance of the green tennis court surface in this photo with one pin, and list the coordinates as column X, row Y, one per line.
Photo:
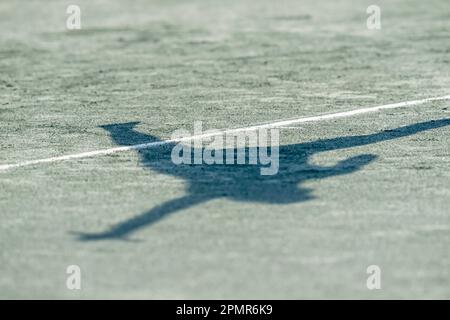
column 370, row 189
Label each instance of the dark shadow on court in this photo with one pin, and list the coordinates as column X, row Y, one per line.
column 244, row 182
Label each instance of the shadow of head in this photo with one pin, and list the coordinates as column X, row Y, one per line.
column 125, row 134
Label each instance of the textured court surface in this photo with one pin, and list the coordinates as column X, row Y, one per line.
column 226, row 232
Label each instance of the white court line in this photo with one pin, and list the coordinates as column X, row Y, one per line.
column 206, row 135
column 292, row 128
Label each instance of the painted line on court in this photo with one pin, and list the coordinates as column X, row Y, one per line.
column 275, row 124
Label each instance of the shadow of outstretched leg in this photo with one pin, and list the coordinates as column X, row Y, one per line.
column 125, row 229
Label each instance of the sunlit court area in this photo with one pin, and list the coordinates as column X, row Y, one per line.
column 224, row 149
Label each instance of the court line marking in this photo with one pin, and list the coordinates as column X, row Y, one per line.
column 275, row 124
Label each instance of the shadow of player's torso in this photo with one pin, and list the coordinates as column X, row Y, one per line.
column 242, row 182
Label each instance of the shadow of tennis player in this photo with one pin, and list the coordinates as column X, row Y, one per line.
column 244, row 182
